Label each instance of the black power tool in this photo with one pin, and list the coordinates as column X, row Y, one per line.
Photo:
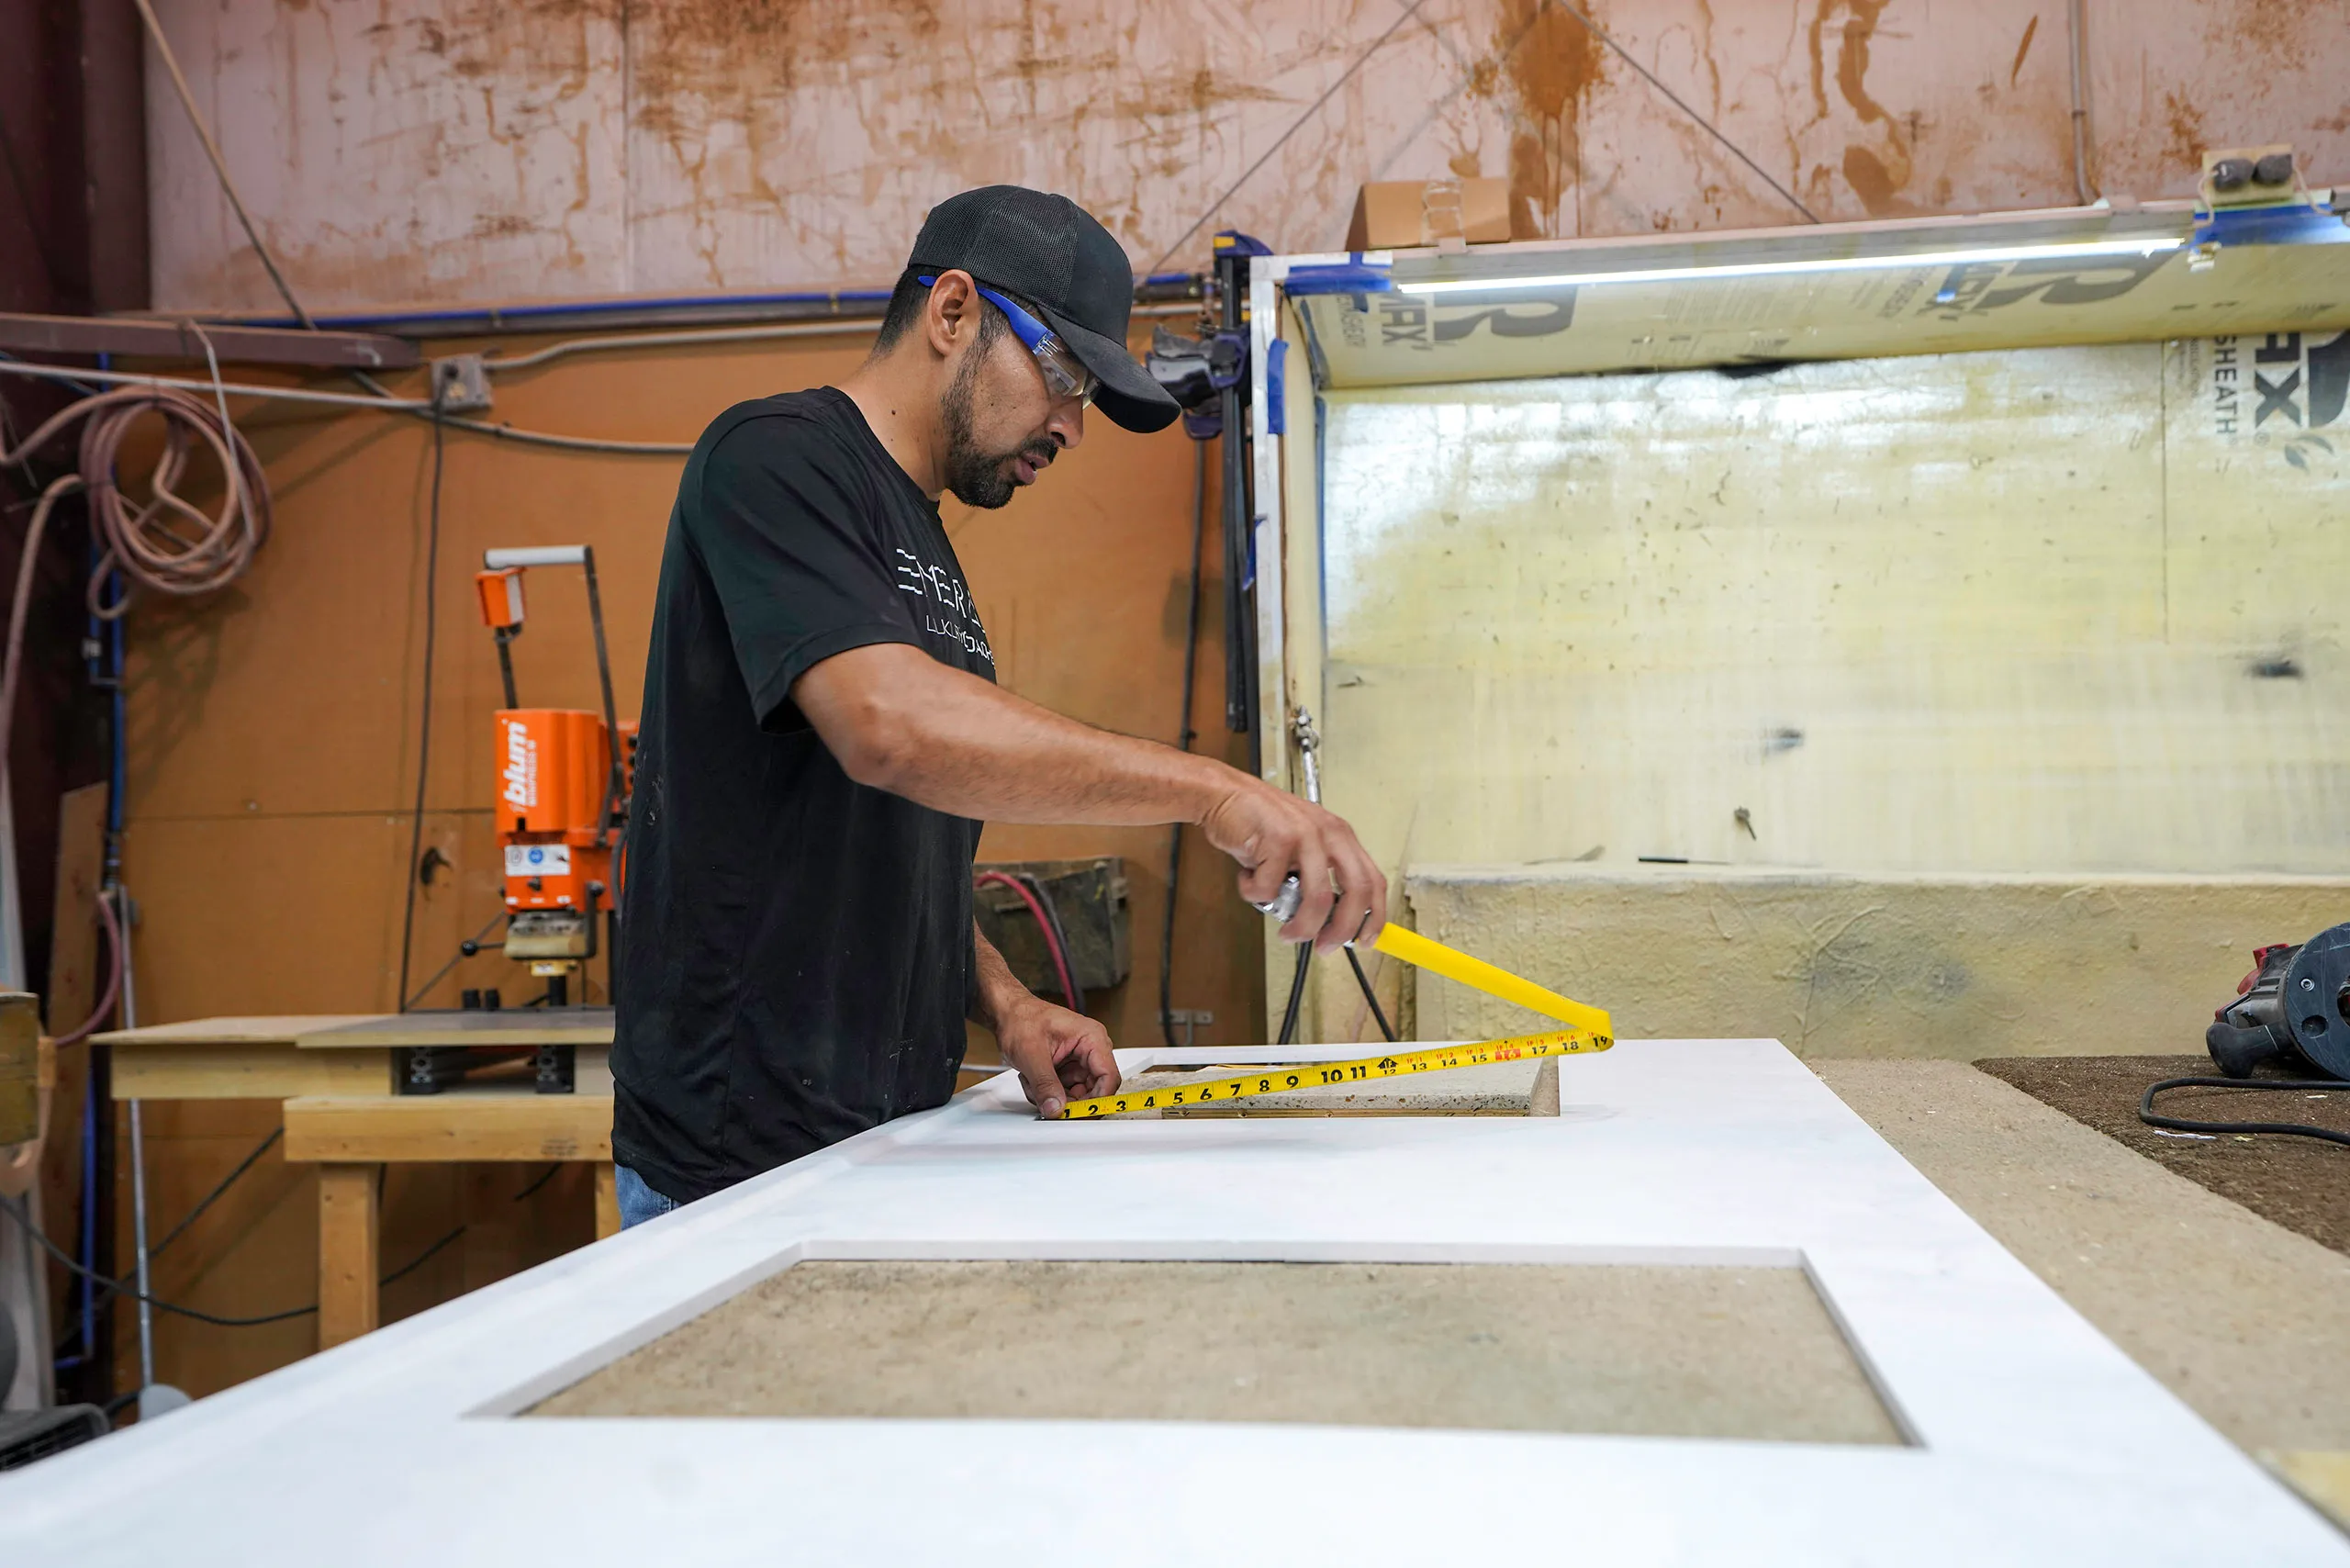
column 2294, row 1008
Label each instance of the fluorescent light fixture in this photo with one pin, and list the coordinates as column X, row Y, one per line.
column 2151, row 247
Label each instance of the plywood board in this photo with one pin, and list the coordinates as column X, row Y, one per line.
column 464, row 1123
column 504, row 1027
column 74, row 985
column 276, row 1029
column 1745, row 1353
column 275, row 1071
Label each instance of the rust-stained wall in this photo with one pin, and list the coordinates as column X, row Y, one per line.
column 465, row 149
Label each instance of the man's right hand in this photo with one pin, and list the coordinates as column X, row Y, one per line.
column 1272, row 832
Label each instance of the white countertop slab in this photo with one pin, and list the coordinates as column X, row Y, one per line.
column 2037, row 1440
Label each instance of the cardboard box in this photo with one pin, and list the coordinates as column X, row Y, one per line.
column 1395, row 215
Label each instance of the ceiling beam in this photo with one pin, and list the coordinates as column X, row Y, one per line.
column 149, row 338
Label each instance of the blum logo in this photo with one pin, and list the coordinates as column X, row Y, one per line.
column 520, row 775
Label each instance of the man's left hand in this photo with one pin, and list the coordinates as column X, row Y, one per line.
column 1061, row 1055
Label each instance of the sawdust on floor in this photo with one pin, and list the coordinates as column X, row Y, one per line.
column 2301, row 1183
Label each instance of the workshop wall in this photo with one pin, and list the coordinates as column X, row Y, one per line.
column 273, row 753
column 460, row 149
column 472, row 151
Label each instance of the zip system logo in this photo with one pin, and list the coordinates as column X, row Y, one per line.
column 520, row 775
column 2283, row 389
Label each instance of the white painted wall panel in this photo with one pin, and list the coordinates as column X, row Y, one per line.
column 2045, row 611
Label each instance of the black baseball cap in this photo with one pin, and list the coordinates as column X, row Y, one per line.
column 1048, row 252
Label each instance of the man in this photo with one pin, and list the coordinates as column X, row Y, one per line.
column 823, row 736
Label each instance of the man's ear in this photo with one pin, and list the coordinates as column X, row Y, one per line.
column 950, row 317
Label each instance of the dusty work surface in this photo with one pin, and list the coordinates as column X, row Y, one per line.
column 2245, row 1321
column 2301, row 1183
column 1721, row 1352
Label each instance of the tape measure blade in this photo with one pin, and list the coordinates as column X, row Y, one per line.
column 1454, row 965
column 1303, row 1077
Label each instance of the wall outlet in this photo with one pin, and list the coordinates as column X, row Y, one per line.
column 461, row 384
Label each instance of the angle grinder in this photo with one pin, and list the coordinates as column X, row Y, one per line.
column 2294, row 1008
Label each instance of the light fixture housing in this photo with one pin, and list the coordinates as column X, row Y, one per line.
column 2086, row 250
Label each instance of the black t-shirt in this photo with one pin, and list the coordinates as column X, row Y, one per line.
column 796, row 948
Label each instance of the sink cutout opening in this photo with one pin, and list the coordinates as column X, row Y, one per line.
column 1700, row 1351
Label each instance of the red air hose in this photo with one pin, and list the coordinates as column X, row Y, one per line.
column 1044, row 923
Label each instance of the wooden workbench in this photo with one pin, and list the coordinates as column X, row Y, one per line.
column 279, row 1058
column 335, row 1074
column 241, row 1058
column 353, row 1138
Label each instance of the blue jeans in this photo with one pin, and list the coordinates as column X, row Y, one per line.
column 639, row 1203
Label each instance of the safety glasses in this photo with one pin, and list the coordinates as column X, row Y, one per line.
column 1064, row 375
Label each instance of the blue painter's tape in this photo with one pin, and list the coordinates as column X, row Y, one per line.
column 1276, row 368
column 2272, row 225
column 1345, row 277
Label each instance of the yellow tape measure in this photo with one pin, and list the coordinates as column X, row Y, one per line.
column 1454, row 965
column 1331, row 1074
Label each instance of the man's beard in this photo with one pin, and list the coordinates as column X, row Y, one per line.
column 979, row 478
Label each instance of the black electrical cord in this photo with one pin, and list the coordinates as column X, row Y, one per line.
column 125, row 1288
column 203, row 1203
column 1363, row 981
column 1296, row 994
column 121, row 1287
column 424, row 721
column 413, row 1264
column 2291, row 1129
column 1185, row 735
column 226, row 1182
column 532, row 1189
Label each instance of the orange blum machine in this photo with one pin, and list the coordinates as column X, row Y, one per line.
column 562, row 790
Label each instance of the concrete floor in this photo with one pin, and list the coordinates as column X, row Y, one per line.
column 1689, row 1352
column 2245, row 1321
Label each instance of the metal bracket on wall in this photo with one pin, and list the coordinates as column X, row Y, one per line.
column 1190, row 1020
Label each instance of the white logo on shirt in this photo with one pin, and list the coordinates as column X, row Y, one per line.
column 956, row 618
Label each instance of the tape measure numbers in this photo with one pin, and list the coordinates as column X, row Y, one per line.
column 1288, row 1080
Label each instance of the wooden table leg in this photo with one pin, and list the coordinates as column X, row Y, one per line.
column 608, row 1201
column 348, row 1265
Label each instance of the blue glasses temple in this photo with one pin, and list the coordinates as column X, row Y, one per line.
column 1026, row 328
